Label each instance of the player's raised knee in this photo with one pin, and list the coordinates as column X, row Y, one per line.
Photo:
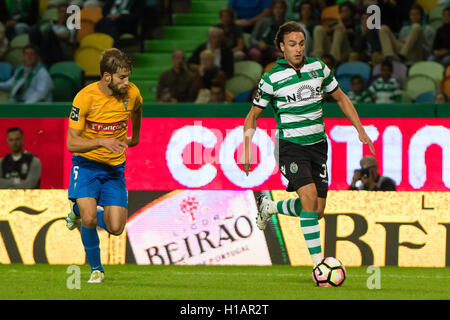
column 89, row 222
column 116, row 230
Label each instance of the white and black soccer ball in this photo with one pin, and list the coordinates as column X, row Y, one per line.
column 330, row 272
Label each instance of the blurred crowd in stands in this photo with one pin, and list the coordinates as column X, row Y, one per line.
column 405, row 60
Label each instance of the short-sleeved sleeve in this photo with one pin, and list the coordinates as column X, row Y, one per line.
column 135, row 94
column 329, row 84
column 264, row 92
column 78, row 113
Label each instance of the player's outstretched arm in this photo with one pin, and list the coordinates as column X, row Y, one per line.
column 136, row 119
column 249, row 131
column 349, row 111
column 78, row 144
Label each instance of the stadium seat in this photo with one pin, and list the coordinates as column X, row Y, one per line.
column 418, row 84
column 148, row 89
column 405, row 98
column 400, row 72
column 207, row 6
column 89, row 59
column 346, row 70
column 242, row 97
column 89, row 17
column 269, row 66
column 344, row 82
column 153, row 59
column 43, row 6
column 249, row 68
column 5, row 71
column 195, row 19
column 329, row 14
column 67, row 78
column 100, row 41
column 431, row 69
column 427, row 5
column 147, row 73
column 447, row 72
column 171, row 45
column 445, row 86
column 426, row 97
column 355, row 67
column 238, row 84
column 193, row 33
column 14, row 54
column 4, row 97
column 50, row 14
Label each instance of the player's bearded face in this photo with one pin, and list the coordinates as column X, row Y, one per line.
column 293, row 48
column 119, row 83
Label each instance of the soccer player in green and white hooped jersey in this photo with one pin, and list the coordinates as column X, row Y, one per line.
column 294, row 86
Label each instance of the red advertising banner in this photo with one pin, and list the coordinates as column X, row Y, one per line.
column 44, row 137
column 203, row 153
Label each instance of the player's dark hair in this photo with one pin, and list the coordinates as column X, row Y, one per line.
column 14, row 129
column 112, row 60
column 288, row 27
column 446, row 9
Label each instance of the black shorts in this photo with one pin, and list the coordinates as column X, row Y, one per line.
column 303, row 165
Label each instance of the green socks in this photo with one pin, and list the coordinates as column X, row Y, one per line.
column 309, row 223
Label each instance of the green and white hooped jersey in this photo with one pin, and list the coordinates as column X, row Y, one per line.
column 296, row 97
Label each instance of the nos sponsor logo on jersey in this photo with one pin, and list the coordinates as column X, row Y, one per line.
column 304, row 92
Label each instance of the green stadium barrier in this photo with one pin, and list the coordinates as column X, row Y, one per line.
column 193, row 33
column 228, row 110
column 171, row 45
column 153, row 59
column 196, row 19
column 443, row 110
column 207, row 6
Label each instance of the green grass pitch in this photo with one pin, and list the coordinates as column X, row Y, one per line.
column 218, row 283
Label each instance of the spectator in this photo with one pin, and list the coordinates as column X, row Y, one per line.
column 358, row 94
column 174, row 84
column 19, row 169
column 3, row 41
column 18, row 16
column 207, row 74
column 385, row 89
column 441, row 44
column 366, row 46
column 215, row 94
column 119, row 17
column 30, row 82
column 414, row 42
column 249, row 12
column 232, row 34
column 329, row 60
column 263, row 49
column 394, row 13
column 336, row 39
column 306, row 16
column 369, row 177
column 57, row 42
column 440, row 98
column 223, row 56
